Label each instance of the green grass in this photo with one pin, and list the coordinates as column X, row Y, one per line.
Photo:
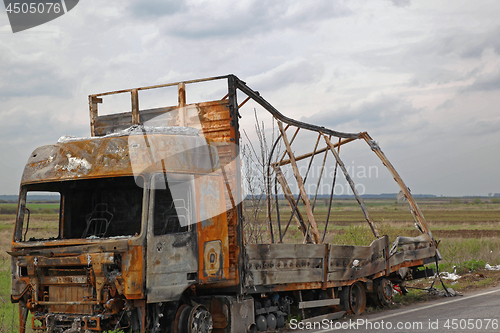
column 35, row 208
column 455, row 251
column 460, row 251
column 9, row 313
column 438, row 212
column 363, row 235
column 413, row 295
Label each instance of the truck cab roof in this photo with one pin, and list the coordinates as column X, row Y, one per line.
column 133, row 151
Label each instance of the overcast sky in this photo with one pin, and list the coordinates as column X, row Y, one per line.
column 422, row 77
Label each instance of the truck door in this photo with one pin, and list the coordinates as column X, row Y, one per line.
column 172, row 263
column 212, row 230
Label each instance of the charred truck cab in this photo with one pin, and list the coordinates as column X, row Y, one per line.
column 150, row 230
column 120, row 236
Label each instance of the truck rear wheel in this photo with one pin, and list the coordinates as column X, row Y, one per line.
column 353, row 298
column 383, row 292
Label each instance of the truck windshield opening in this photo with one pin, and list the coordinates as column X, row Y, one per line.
column 89, row 208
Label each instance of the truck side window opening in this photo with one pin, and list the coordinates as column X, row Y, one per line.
column 40, row 220
column 171, row 215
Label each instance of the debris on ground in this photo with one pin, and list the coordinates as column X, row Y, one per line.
column 450, row 276
column 449, row 292
column 492, row 268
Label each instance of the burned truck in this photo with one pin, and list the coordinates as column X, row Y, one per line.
column 151, row 238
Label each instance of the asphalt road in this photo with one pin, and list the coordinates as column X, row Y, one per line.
column 473, row 312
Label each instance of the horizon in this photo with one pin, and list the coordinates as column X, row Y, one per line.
column 13, row 198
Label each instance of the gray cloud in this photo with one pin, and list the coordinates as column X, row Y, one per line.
column 439, row 59
column 27, row 124
column 446, row 104
column 30, row 76
column 41, row 118
column 478, row 43
column 208, row 19
column 483, row 126
column 382, row 112
column 463, row 43
column 300, row 71
column 401, row 3
column 156, row 8
column 485, row 82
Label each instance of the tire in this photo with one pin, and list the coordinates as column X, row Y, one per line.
column 383, row 292
column 193, row 320
column 353, row 298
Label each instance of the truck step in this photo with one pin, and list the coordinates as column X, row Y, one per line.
column 329, row 316
column 318, row 303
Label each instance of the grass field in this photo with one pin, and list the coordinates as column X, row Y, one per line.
column 467, row 229
column 8, row 311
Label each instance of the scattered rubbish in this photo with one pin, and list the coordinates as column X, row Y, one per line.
column 492, row 268
column 450, row 276
column 441, row 292
column 397, row 289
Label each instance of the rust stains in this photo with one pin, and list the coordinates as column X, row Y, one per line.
column 118, row 156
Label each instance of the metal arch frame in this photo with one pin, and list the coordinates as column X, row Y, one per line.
column 235, row 84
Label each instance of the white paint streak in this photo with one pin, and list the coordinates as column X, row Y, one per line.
column 75, row 163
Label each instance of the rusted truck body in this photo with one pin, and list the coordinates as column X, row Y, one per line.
column 150, row 232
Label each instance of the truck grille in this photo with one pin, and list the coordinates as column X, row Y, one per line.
column 70, row 294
